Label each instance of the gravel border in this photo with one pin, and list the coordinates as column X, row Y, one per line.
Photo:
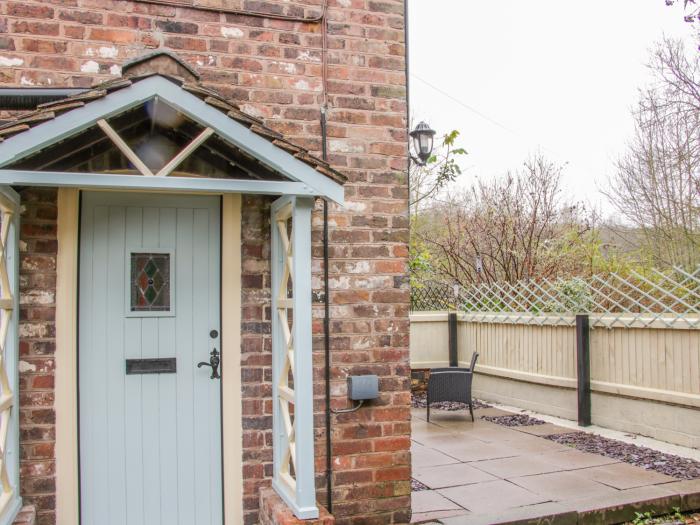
column 674, row 466
column 417, row 486
column 419, row 400
column 516, row 420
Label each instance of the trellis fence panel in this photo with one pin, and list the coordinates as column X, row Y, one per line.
column 656, row 299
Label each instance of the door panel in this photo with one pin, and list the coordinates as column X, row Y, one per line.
column 150, row 444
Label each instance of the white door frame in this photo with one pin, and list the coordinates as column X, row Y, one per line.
column 67, row 471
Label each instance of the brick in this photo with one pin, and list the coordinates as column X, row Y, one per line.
column 23, row 10
column 81, row 17
column 7, row 43
column 75, row 32
column 170, row 26
column 186, row 43
column 114, row 36
column 43, row 46
column 271, row 68
column 35, row 28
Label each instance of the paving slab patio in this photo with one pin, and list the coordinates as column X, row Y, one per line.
column 451, row 475
column 480, row 472
column 623, row 476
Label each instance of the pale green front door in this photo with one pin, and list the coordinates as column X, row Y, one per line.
column 149, row 312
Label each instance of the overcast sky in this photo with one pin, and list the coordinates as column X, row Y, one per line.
column 551, row 75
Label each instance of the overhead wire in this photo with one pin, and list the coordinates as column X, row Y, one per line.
column 495, row 122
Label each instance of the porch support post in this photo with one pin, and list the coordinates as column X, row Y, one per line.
column 10, row 500
column 292, row 366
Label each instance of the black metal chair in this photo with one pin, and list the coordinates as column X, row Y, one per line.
column 452, row 384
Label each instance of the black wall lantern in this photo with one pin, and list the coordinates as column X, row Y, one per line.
column 422, row 142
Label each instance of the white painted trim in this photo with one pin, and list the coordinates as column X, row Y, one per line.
column 79, row 119
column 231, row 358
column 299, row 492
column 10, row 500
column 156, row 184
column 66, row 385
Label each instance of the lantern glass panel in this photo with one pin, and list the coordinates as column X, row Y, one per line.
column 425, row 144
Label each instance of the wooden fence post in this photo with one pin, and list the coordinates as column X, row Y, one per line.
column 452, row 338
column 583, row 370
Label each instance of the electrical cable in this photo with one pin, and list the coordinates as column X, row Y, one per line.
column 348, row 410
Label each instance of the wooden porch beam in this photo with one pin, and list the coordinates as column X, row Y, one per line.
column 124, row 147
column 184, row 153
column 139, row 182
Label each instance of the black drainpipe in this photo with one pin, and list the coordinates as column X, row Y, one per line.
column 327, row 331
column 31, row 97
column 408, row 104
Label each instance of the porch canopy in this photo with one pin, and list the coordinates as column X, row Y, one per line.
column 157, row 129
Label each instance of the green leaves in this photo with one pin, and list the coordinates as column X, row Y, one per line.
column 441, row 168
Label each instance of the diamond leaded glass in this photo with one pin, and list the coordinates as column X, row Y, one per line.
column 150, row 282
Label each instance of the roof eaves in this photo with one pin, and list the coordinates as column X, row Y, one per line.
column 50, row 110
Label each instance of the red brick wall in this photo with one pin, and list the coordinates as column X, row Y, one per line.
column 256, row 352
column 271, row 69
column 37, row 330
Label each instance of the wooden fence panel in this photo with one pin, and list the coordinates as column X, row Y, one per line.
column 656, row 363
column 648, row 358
column 544, row 350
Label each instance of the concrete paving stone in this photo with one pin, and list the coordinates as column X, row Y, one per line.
column 548, row 429
column 467, row 451
column 419, row 424
column 561, row 486
column 490, row 412
column 538, row 514
column 624, row 476
column 418, row 413
column 431, row 501
column 688, row 490
column 491, row 495
column 437, row 436
column 428, row 457
column 438, row 516
column 453, row 418
column 462, row 415
column 488, row 432
column 573, row 459
column 515, row 467
column 451, row 475
column 536, row 445
column 623, row 506
column 492, row 433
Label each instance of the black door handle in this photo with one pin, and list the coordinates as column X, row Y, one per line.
column 214, row 361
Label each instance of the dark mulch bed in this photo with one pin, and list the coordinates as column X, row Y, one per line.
column 516, row 420
column 668, row 464
column 419, row 400
column 417, row 486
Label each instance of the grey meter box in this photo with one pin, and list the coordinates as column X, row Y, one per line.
column 361, row 388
